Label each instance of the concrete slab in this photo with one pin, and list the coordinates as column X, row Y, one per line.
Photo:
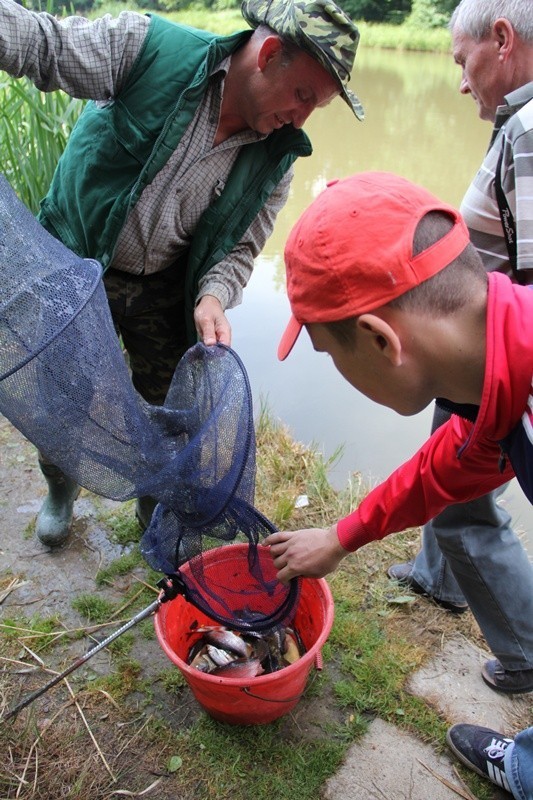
column 389, row 764
column 452, row 682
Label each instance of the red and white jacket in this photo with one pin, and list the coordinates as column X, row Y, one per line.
column 480, row 447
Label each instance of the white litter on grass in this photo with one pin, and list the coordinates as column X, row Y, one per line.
column 301, row 501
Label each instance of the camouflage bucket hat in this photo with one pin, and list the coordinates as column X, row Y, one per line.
column 320, row 28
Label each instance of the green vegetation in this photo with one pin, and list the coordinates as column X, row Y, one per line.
column 37, row 633
column 172, row 680
column 242, row 762
column 405, row 37
column 426, row 13
column 120, row 566
column 122, row 646
column 94, row 608
column 34, row 128
column 122, row 682
column 124, row 528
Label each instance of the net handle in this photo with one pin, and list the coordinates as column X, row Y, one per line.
column 170, row 587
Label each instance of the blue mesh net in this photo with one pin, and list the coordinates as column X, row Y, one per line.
column 65, row 385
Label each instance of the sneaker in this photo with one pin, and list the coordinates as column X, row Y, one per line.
column 482, row 750
column 402, row 574
column 517, row 681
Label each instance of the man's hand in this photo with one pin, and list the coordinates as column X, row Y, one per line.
column 313, row 552
column 211, row 322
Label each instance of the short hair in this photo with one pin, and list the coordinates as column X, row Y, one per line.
column 443, row 294
column 475, row 18
column 289, row 50
column 453, row 287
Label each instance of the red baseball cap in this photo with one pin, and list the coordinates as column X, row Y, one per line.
column 351, row 250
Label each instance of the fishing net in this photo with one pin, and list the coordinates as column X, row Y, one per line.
column 65, row 385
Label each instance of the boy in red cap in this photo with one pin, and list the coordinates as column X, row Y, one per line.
column 383, row 276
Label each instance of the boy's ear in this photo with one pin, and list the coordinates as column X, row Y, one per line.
column 382, row 337
column 269, row 50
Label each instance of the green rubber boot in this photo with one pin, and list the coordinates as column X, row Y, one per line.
column 55, row 516
column 144, row 508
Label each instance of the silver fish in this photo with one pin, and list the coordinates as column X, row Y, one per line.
column 219, row 656
column 227, row 640
column 223, row 652
column 201, row 661
column 240, row 668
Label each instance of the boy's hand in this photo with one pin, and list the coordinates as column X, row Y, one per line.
column 313, row 552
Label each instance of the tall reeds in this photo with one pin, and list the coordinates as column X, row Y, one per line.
column 34, row 128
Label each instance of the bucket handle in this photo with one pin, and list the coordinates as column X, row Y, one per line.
column 246, row 690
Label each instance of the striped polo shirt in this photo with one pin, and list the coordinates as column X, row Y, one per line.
column 513, row 132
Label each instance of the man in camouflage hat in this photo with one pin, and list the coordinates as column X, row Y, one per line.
column 178, row 166
column 320, row 28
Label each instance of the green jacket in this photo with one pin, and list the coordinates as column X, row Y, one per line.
column 117, row 148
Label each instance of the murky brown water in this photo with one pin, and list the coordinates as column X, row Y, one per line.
column 418, row 125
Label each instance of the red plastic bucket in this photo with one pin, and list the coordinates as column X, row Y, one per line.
column 255, row 700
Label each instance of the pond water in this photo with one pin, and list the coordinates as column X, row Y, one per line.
column 418, row 125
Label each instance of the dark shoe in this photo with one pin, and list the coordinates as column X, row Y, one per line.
column 482, row 750
column 55, row 516
column 503, row 680
column 402, row 574
column 144, row 508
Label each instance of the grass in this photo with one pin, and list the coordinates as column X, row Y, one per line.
column 123, row 681
column 222, row 22
column 296, row 471
column 122, row 525
column 405, row 37
column 34, row 128
column 120, row 566
column 392, row 37
column 37, row 633
column 93, row 608
column 142, row 726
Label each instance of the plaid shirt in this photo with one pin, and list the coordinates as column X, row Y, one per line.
column 513, row 131
column 92, row 60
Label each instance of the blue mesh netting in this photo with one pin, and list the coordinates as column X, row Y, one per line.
column 65, row 385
